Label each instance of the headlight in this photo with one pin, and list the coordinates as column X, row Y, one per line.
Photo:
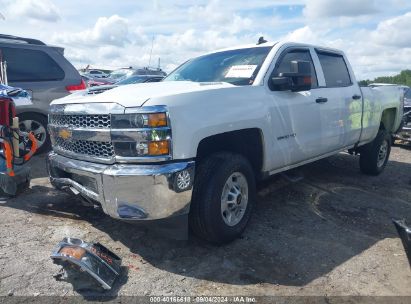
column 138, row 120
column 142, row 132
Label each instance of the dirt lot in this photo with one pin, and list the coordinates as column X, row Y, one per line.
column 327, row 234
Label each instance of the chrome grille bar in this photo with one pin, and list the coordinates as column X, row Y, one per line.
column 81, row 121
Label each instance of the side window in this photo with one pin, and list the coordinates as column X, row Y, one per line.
column 30, row 65
column 284, row 65
column 335, row 69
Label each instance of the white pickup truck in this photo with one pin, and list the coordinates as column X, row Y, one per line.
column 194, row 145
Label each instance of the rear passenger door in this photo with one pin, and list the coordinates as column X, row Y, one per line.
column 342, row 110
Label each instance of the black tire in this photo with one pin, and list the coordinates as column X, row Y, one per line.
column 206, row 219
column 369, row 154
column 42, row 120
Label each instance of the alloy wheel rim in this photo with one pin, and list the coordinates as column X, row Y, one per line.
column 37, row 128
column 234, row 199
column 382, row 153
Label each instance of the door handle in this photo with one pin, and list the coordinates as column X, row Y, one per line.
column 356, row 96
column 321, row 100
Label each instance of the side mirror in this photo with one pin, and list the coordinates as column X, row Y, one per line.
column 299, row 79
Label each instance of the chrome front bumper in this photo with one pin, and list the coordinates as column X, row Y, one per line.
column 127, row 191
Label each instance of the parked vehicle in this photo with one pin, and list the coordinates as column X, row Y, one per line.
column 129, row 80
column 122, row 74
column 404, row 132
column 97, row 74
column 140, row 79
column 194, row 145
column 407, row 112
column 94, row 82
column 150, row 71
column 19, row 96
column 45, row 73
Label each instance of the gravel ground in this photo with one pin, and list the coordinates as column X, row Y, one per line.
column 328, row 234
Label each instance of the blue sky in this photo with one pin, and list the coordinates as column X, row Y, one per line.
column 374, row 33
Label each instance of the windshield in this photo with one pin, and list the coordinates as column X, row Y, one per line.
column 132, row 79
column 408, row 94
column 238, row 67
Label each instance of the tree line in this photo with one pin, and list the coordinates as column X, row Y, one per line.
column 404, row 78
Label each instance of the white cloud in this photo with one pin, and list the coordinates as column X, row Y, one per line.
column 215, row 16
column 107, row 31
column 119, row 33
column 304, row 34
column 39, row 10
column 394, row 32
column 336, row 8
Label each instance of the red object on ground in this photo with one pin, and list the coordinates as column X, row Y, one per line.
column 7, row 111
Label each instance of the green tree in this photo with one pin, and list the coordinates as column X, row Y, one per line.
column 403, row 78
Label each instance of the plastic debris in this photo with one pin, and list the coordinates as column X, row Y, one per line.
column 90, row 262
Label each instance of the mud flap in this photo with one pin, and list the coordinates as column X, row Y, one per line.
column 88, row 259
column 405, row 234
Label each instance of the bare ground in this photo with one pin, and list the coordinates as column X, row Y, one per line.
column 328, row 234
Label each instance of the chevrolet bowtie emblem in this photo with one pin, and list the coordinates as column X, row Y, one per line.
column 65, row 134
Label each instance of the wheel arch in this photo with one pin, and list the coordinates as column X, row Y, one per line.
column 246, row 142
column 388, row 119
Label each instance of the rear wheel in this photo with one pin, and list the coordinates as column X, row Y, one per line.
column 36, row 123
column 223, row 197
column 374, row 156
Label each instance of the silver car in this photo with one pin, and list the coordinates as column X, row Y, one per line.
column 45, row 73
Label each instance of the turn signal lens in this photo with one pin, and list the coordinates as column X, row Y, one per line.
column 157, row 120
column 158, row 147
column 74, row 252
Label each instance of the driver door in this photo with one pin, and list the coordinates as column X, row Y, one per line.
column 297, row 118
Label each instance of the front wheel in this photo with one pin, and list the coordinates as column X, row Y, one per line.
column 223, row 197
column 374, row 156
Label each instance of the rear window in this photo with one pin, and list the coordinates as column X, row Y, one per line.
column 30, row 65
column 335, row 69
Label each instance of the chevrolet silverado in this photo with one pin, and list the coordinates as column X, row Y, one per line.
column 194, row 145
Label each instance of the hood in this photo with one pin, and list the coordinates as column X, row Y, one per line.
column 135, row 95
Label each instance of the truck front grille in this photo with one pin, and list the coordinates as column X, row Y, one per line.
column 81, row 121
column 86, row 148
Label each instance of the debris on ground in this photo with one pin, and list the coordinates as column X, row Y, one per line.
column 86, row 265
